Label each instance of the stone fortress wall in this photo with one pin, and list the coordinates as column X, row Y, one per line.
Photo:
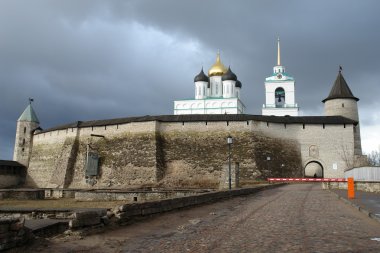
column 152, row 151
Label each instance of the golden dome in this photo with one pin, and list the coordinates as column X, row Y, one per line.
column 218, row 69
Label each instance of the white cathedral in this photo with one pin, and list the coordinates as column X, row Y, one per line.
column 219, row 92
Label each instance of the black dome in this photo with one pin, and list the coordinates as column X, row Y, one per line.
column 229, row 75
column 238, row 84
column 201, row 77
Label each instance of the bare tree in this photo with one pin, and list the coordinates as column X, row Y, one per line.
column 347, row 156
column 374, row 158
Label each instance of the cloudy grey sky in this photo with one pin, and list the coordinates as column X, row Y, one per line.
column 94, row 59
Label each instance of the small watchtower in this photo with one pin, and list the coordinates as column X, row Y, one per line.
column 27, row 123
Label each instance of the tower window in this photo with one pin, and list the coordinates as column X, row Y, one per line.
column 23, row 142
column 342, row 104
column 24, row 130
column 23, row 149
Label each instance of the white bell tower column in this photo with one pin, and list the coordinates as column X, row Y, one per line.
column 280, row 91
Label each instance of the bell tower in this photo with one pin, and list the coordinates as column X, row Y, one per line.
column 27, row 123
column 280, row 91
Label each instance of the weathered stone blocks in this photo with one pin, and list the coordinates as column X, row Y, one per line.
column 13, row 233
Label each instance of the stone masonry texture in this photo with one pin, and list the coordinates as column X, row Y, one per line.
column 186, row 153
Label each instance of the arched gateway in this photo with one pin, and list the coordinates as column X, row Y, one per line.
column 313, row 169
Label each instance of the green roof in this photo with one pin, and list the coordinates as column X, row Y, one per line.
column 29, row 115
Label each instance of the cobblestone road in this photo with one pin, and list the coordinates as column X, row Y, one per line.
column 292, row 218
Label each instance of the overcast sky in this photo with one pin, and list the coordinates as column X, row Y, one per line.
column 93, row 59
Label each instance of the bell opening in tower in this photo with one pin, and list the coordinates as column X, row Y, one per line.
column 280, row 97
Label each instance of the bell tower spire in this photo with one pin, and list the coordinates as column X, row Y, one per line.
column 278, row 52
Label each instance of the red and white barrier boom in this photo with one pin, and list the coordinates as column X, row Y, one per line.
column 307, row 180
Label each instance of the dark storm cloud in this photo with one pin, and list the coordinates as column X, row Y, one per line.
column 84, row 60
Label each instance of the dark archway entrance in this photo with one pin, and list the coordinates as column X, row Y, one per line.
column 314, row 169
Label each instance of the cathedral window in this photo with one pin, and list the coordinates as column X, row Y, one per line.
column 342, row 104
column 24, row 130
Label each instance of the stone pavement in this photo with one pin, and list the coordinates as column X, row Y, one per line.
column 369, row 202
column 292, row 218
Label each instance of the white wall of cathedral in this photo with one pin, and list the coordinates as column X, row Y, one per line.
column 229, row 89
column 270, row 88
column 209, row 106
column 216, row 86
column 201, row 90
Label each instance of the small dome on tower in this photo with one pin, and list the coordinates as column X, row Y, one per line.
column 218, row 69
column 238, row 84
column 229, row 75
column 201, row 77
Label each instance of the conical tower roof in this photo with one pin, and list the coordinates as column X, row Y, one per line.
column 29, row 115
column 340, row 89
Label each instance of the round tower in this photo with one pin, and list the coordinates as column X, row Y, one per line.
column 27, row 123
column 341, row 102
column 201, row 82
